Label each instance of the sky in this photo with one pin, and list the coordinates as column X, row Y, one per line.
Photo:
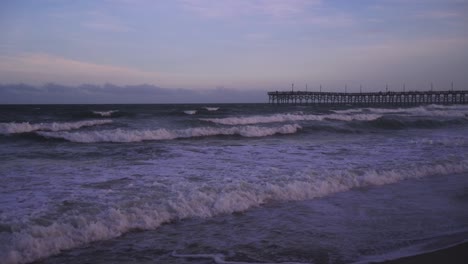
column 233, row 46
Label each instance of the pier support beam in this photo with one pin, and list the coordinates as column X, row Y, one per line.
column 378, row 98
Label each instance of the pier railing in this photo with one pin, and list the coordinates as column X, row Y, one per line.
column 374, row 98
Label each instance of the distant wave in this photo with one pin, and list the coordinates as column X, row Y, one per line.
column 428, row 110
column 190, row 112
column 72, row 229
column 212, row 108
column 439, row 111
column 449, row 141
column 401, row 123
column 249, row 120
column 26, row 127
column 105, row 113
column 120, row 135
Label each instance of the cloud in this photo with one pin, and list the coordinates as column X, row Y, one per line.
column 101, row 21
column 418, row 61
column 110, row 93
column 439, row 14
column 331, row 20
column 106, row 26
column 237, row 8
column 312, row 13
column 40, row 68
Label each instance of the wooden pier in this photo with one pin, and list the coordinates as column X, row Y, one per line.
column 375, row 98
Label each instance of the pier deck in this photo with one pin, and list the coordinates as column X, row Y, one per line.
column 374, row 98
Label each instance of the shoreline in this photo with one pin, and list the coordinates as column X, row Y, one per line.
column 457, row 254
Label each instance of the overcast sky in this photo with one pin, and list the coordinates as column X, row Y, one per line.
column 238, row 45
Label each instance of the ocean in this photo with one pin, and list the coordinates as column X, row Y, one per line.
column 230, row 183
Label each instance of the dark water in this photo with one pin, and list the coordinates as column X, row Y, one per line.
column 240, row 183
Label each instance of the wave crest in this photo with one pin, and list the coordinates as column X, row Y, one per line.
column 279, row 118
column 427, row 110
column 190, row 112
column 212, row 108
column 105, row 113
column 26, row 127
column 74, row 230
column 125, row 136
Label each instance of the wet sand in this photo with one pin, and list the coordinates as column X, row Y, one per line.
column 455, row 255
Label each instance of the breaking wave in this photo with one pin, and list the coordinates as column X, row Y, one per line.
column 394, row 123
column 428, row 110
column 278, row 118
column 105, row 113
column 212, row 108
column 74, row 229
column 26, row 127
column 190, row 112
column 450, row 142
column 123, row 136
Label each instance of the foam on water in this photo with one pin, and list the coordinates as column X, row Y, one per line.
column 188, row 199
column 69, row 195
column 278, row 118
column 105, row 113
column 26, row 127
column 212, row 108
column 121, row 135
column 429, row 110
column 220, row 259
column 450, row 142
column 190, row 112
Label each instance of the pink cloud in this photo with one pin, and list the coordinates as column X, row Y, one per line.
column 39, row 67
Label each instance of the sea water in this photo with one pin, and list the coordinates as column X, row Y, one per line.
column 253, row 183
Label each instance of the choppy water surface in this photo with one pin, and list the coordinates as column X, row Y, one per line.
column 242, row 183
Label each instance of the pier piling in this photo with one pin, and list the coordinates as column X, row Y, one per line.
column 373, row 98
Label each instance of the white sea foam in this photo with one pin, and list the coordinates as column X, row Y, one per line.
column 451, row 142
column 371, row 110
column 72, row 229
column 428, row 110
column 212, row 108
column 437, row 112
column 190, row 112
column 278, row 118
column 121, row 135
column 220, row 259
column 25, row 127
column 105, row 113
